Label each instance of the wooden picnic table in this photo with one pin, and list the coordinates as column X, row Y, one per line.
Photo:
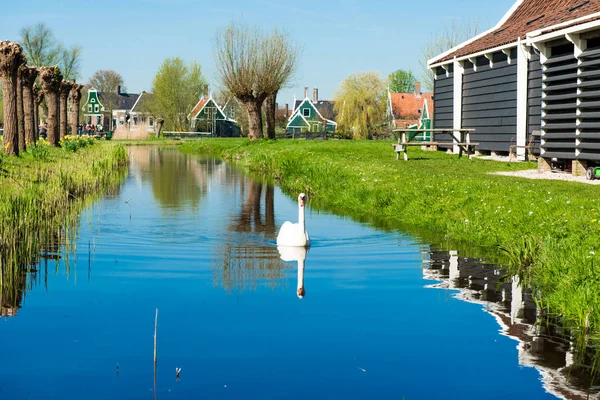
column 460, row 138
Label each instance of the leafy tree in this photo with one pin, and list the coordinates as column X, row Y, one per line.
column 402, row 81
column 441, row 41
column 40, row 45
column 70, row 62
column 107, row 82
column 177, row 88
column 360, row 103
column 42, row 49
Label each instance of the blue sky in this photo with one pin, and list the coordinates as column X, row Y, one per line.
column 338, row 37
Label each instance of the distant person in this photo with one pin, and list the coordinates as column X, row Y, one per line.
column 44, row 130
column 79, row 129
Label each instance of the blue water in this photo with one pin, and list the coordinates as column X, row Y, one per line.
column 204, row 254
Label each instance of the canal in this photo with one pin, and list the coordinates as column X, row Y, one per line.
column 383, row 316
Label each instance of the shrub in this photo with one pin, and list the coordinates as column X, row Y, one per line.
column 73, row 143
column 39, row 151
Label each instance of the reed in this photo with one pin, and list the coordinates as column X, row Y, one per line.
column 41, row 195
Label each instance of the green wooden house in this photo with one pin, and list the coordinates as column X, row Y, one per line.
column 307, row 117
column 207, row 116
column 93, row 110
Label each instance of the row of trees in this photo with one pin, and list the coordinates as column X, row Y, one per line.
column 22, row 98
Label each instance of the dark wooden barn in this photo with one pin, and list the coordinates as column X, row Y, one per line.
column 530, row 84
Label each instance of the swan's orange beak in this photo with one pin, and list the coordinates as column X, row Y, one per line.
column 302, row 202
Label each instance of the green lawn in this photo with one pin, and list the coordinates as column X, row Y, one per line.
column 546, row 231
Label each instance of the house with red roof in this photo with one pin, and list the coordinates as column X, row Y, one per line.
column 407, row 109
column 534, row 78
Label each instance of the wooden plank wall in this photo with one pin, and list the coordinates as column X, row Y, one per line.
column 490, row 101
column 443, row 101
column 560, row 98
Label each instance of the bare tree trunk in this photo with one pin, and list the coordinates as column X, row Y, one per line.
column 28, row 79
column 11, row 57
column 51, row 78
column 270, row 114
column 20, row 112
column 255, row 126
column 159, row 125
column 37, row 100
column 75, row 106
column 65, row 88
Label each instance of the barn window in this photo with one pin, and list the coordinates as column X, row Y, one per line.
column 306, row 112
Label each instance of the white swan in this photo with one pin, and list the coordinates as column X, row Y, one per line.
column 295, row 234
column 288, row 253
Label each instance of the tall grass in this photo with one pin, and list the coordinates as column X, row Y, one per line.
column 41, row 197
column 544, row 231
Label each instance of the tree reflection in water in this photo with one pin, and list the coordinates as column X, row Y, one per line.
column 565, row 372
column 245, row 261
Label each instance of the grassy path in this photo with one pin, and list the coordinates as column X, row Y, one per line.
column 548, row 231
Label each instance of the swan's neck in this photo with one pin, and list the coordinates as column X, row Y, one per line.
column 300, row 274
column 301, row 217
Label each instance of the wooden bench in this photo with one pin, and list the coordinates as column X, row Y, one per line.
column 463, row 141
column 529, row 147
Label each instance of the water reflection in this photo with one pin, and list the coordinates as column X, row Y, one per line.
column 177, row 180
column 297, row 254
column 542, row 345
column 246, row 260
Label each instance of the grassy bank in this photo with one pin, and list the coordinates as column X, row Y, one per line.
column 44, row 189
column 546, row 230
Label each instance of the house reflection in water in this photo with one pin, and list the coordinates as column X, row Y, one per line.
column 13, row 285
column 541, row 346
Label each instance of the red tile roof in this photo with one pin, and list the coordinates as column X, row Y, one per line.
column 406, row 107
column 529, row 16
column 198, row 107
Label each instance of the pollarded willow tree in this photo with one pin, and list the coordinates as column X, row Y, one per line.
column 20, row 112
column 75, row 97
column 360, row 103
column 279, row 65
column 50, row 80
column 28, row 76
column 237, row 53
column 11, row 57
column 38, row 98
column 252, row 66
column 64, row 91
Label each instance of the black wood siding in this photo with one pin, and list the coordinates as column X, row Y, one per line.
column 489, row 98
column 589, row 127
column 534, row 100
column 560, row 98
column 443, row 102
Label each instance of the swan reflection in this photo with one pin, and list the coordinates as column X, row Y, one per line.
column 290, row 253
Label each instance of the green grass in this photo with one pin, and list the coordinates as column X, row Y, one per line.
column 545, row 231
column 43, row 190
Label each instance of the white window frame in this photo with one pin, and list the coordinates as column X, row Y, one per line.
column 304, row 110
column 89, row 108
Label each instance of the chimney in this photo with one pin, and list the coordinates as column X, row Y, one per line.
column 306, row 92
column 287, row 109
column 418, row 89
column 315, row 95
column 119, row 89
